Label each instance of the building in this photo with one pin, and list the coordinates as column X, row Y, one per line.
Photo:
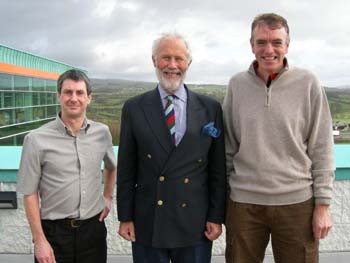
column 27, row 93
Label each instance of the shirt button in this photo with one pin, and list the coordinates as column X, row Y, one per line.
column 183, row 205
column 149, row 156
column 161, row 178
column 160, row 202
column 186, row 180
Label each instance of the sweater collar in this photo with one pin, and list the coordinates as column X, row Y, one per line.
column 254, row 65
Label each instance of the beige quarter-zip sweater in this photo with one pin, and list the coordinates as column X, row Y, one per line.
column 279, row 141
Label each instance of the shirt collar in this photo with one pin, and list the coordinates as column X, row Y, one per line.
column 65, row 130
column 180, row 93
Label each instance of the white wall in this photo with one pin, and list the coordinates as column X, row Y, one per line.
column 16, row 238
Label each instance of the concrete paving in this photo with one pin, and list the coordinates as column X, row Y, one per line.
column 338, row 257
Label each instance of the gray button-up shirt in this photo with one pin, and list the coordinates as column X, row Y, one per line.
column 66, row 169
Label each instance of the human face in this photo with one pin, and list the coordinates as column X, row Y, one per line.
column 73, row 99
column 270, row 47
column 171, row 63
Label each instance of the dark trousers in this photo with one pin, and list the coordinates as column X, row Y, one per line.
column 193, row 254
column 77, row 242
column 249, row 227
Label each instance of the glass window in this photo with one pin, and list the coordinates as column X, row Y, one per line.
column 28, row 99
column 5, row 81
column 38, row 84
column 55, row 101
column 2, row 103
column 19, row 99
column 8, row 141
column 5, row 117
column 9, row 99
column 39, row 113
column 28, row 114
column 18, row 140
column 21, row 82
column 51, row 111
column 42, row 98
column 20, row 115
column 36, row 98
column 37, row 92
column 13, row 130
column 24, row 115
column 51, row 98
column 51, row 85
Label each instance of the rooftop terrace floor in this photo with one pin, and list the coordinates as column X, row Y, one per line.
column 339, row 257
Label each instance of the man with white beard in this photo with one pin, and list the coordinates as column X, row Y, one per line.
column 171, row 184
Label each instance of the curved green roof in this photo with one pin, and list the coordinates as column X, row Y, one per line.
column 21, row 58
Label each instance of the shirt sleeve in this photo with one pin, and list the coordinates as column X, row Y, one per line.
column 320, row 147
column 110, row 160
column 231, row 144
column 29, row 173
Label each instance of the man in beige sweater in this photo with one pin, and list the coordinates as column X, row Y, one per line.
column 279, row 154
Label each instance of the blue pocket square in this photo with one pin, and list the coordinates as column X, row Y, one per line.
column 210, row 130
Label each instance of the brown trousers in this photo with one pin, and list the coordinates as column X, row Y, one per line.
column 248, row 230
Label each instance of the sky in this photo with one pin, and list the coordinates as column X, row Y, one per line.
column 113, row 38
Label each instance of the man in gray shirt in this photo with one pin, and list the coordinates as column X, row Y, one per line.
column 61, row 164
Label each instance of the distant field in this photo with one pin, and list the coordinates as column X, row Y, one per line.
column 339, row 102
column 109, row 97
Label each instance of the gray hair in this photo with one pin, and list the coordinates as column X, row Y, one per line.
column 164, row 36
column 272, row 20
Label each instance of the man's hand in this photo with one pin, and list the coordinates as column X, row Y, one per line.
column 42, row 249
column 43, row 252
column 107, row 209
column 127, row 230
column 213, row 231
column 321, row 222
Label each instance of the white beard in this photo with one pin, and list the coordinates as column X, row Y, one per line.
column 170, row 86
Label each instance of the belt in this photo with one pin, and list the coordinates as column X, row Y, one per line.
column 73, row 222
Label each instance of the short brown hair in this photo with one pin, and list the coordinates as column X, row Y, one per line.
column 272, row 20
column 76, row 75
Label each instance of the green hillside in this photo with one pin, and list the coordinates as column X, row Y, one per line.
column 109, row 96
column 339, row 103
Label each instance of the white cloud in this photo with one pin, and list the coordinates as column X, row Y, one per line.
column 113, row 38
column 130, row 6
column 39, row 45
column 104, row 8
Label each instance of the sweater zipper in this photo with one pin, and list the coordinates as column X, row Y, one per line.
column 268, row 96
column 268, row 85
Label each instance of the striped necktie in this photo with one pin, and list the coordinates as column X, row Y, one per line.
column 170, row 116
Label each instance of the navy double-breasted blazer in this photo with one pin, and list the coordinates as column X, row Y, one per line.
column 168, row 191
